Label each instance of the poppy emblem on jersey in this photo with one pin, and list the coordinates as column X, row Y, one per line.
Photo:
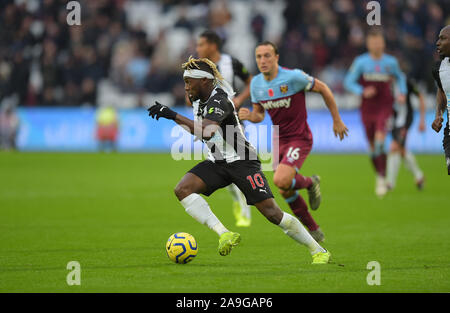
column 377, row 68
column 270, row 91
column 284, row 88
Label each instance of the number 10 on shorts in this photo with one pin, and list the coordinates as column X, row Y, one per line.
column 256, row 180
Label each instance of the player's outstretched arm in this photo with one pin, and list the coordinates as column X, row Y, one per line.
column 351, row 81
column 244, row 95
column 254, row 116
column 422, row 112
column 204, row 130
column 440, row 109
column 401, row 81
column 352, row 77
column 241, row 71
column 339, row 127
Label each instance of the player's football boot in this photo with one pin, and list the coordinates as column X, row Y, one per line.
column 321, row 257
column 420, row 183
column 318, row 235
column 314, row 193
column 389, row 187
column 227, row 241
column 381, row 188
column 241, row 220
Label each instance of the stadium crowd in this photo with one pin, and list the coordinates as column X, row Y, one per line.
column 46, row 62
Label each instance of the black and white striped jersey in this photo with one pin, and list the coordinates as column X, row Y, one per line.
column 441, row 74
column 228, row 143
column 230, row 68
column 403, row 114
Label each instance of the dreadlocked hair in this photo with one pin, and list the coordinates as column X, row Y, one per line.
column 202, row 64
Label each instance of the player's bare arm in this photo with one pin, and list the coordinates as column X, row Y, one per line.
column 369, row 92
column 339, row 127
column 244, row 95
column 422, row 112
column 440, row 109
column 254, row 116
column 401, row 98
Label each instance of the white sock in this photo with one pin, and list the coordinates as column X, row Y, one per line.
column 239, row 197
column 411, row 165
column 199, row 209
column 294, row 229
column 393, row 165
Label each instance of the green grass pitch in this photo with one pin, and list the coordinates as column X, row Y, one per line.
column 114, row 212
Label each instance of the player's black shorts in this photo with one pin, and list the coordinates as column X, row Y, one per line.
column 247, row 175
column 446, row 145
column 399, row 134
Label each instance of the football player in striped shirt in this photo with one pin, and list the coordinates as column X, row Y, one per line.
column 403, row 118
column 231, row 159
column 441, row 74
column 209, row 45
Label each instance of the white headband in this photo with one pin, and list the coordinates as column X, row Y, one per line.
column 197, row 74
column 194, row 73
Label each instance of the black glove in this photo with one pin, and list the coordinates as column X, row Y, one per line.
column 160, row 110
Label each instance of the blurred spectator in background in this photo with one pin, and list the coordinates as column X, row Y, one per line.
column 9, row 126
column 257, row 24
column 183, row 21
column 137, row 69
column 219, row 17
column 19, row 76
column 107, row 129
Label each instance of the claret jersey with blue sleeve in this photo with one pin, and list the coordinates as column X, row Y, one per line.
column 380, row 73
column 284, row 99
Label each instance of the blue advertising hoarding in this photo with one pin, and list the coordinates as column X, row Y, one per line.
column 73, row 129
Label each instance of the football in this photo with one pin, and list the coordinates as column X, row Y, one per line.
column 181, row 248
